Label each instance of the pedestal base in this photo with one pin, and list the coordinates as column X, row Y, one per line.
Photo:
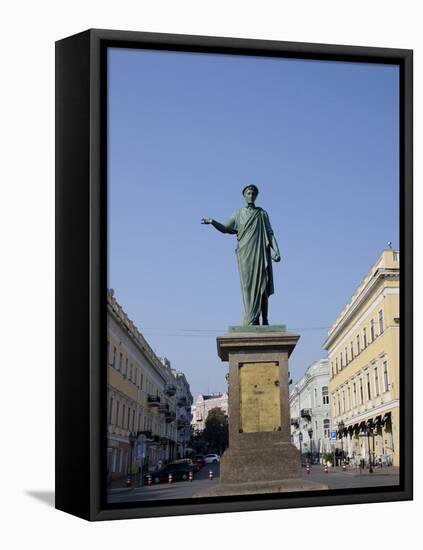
column 261, row 463
column 281, row 486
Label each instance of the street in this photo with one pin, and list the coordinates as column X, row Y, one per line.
column 335, row 479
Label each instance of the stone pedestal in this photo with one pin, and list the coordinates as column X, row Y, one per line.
column 260, row 457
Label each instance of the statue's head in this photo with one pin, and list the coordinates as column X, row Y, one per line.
column 250, row 193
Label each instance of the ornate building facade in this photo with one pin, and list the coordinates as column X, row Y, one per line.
column 310, row 410
column 141, row 399
column 363, row 349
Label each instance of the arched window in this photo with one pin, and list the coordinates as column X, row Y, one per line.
column 325, row 395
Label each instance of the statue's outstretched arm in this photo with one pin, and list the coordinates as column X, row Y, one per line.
column 217, row 225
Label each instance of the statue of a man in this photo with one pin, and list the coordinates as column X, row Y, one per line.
column 255, row 237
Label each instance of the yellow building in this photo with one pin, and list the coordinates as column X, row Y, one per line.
column 363, row 353
column 141, row 399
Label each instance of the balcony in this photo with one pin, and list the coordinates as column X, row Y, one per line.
column 182, row 423
column 163, row 408
column 170, row 389
column 306, row 413
column 182, row 401
column 153, row 400
column 170, row 417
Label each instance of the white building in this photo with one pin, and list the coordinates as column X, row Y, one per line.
column 184, row 402
column 310, row 410
column 203, row 405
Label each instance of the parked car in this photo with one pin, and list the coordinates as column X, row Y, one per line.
column 179, row 471
column 211, row 459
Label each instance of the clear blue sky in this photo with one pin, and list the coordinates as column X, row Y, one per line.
column 186, row 132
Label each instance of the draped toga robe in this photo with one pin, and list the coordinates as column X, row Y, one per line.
column 254, row 234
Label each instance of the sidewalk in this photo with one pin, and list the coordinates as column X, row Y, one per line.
column 385, row 470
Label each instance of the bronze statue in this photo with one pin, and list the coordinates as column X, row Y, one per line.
column 255, row 236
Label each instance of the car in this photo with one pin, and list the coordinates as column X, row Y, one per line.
column 179, row 471
column 211, row 459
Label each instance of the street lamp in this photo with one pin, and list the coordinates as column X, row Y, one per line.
column 132, row 438
column 370, row 433
column 310, row 435
column 341, row 426
column 300, row 439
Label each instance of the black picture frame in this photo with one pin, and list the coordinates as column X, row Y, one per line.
column 81, row 256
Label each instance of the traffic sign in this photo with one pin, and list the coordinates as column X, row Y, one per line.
column 333, row 435
column 300, row 436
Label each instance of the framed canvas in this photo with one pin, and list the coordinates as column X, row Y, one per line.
column 189, row 381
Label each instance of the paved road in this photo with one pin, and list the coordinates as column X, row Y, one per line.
column 336, row 479
column 166, row 491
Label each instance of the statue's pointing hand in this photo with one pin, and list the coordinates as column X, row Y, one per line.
column 206, row 220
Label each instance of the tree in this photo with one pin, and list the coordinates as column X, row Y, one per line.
column 216, row 430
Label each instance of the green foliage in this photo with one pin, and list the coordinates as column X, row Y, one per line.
column 216, row 431
column 327, row 457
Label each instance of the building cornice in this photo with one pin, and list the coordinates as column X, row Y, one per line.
column 381, row 275
column 120, row 317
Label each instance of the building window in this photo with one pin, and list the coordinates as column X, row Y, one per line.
column 352, row 351
column 376, row 376
column 315, row 397
column 331, row 368
column 336, row 365
column 133, row 420
column 114, row 357
column 372, row 329
column 369, row 394
column 381, row 325
column 358, row 344
column 365, row 337
column 120, row 362
column 123, row 415
column 342, row 362
column 355, row 393
column 361, row 391
column 343, row 401
column 349, row 397
column 385, row 376
column 346, row 356
column 110, row 410
column 326, row 427
column 325, row 395
column 339, row 405
column 117, row 412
